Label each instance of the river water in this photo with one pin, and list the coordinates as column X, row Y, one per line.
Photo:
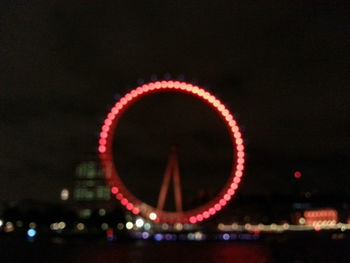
column 262, row 251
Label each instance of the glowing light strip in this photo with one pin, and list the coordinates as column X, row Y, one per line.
column 282, row 227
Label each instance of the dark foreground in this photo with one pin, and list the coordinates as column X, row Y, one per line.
column 269, row 249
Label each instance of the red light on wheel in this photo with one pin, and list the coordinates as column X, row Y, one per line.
column 111, row 116
column 124, row 201
column 102, row 141
column 108, row 122
column 114, row 190
column 129, row 206
column 102, row 148
column 193, row 220
column 217, row 207
column 239, row 141
column 239, row 173
column 236, row 180
column 199, row 218
column 135, row 211
column 240, row 161
column 240, row 167
column 234, row 186
column 105, row 128
column 231, row 192
column 223, row 202
column 119, row 196
column 206, row 214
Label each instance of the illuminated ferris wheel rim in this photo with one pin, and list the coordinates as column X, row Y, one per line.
column 136, row 206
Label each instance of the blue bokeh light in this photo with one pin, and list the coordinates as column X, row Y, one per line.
column 31, row 233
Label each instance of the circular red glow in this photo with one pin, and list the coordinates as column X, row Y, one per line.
column 135, row 211
column 102, row 148
column 217, row 207
column 124, row 201
column 240, row 161
column 118, row 188
column 199, row 218
column 231, row 192
column 102, row 141
column 237, row 135
column 103, row 135
column 129, row 206
column 240, row 148
column 222, row 202
column 297, row 175
column 239, row 141
column 240, row 167
column 105, row 128
column 212, row 211
column 240, row 154
column 227, row 197
column 193, row 220
column 234, row 186
column 111, row 116
column 114, row 190
column 239, row 174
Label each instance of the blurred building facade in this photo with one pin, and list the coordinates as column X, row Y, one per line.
column 90, row 184
column 90, row 193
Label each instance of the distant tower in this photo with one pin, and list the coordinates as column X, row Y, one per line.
column 172, row 171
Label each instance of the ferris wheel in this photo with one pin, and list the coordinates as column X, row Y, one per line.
column 158, row 214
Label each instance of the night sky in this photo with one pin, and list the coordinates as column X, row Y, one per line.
column 282, row 67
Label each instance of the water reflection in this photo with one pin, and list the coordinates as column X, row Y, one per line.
column 270, row 250
column 144, row 252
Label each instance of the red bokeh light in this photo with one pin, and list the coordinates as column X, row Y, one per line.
column 217, row 207
column 227, row 197
column 297, row 175
column 199, row 218
column 193, row 220
column 206, row 214
column 102, row 148
column 135, row 211
column 124, row 201
column 114, row 190
column 129, row 206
